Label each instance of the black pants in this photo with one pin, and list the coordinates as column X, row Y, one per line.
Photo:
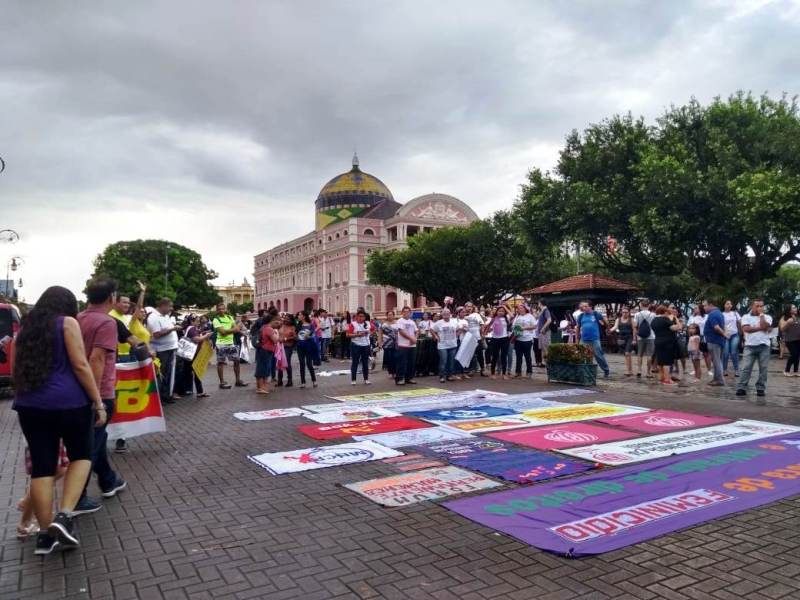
column 498, row 350
column 185, row 378
column 537, row 349
column 360, row 355
column 794, row 355
column 106, row 476
column 478, row 358
column 306, row 359
column 405, row 363
column 44, row 430
column 289, row 350
column 523, row 350
column 167, row 358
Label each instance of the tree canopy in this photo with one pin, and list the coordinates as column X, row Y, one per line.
column 709, row 191
column 168, row 269
column 480, row 262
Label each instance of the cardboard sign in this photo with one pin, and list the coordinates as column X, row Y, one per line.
column 415, row 437
column 615, row 508
column 429, row 484
column 307, row 459
column 275, row 413
column 566, row 435
column 679, row 442
column 577, row 412
column 332, row 431
column 661, row 421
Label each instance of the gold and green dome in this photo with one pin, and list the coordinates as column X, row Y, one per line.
column 349, row 195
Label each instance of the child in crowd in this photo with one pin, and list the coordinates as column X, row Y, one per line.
column 27, row 524
column 693, row 348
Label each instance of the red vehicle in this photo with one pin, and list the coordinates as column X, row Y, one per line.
column 9, row 328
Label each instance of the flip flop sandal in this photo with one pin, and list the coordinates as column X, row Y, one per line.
column 25, row 531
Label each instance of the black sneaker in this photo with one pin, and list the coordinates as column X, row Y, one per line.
column 241, row 384
column 45, row 543
column 121, row 446
column 86, row 506
column 741, row 392
column 119, row 485
column 63, row 530
column 167, row 401
column 288, row 384
column 761, row 393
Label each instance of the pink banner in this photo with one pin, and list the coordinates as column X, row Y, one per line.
column 662, row 421
column 565, row 435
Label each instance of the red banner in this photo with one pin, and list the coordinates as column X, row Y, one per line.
column 332, row 431
column 137, row 408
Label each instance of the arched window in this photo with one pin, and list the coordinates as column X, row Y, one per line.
column 337, row 235
column 369, row 232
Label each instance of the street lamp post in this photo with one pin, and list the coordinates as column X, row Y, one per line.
column 166, row 271
column 11, row 266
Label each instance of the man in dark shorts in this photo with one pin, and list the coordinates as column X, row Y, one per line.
column 101, row 334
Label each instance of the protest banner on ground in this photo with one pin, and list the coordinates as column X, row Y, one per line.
column 413, row 462
column 307, row 459
column 490, row 424
column 565, row 435
column 449, row 449
column 332, row 431
column 577, row 412
column 522, row 402
column 401, row 405
column 340, row 414
column 661, row 421
column 460, row 413
column 415, row 437
column 274, row 413
column 137, row 406
column 429, row 484
column 202, row 358
column 679, row 442
column 521, row 465
column 614, row 508
column 377, row 396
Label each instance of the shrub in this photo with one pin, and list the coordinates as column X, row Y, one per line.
column 576, row 354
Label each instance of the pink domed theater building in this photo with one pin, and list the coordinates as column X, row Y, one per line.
column 356, row 215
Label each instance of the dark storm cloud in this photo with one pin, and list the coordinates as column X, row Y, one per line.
column 251, row 106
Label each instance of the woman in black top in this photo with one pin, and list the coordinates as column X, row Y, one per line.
column 624, row 330
column 665, row 325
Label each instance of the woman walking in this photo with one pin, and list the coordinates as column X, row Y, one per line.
column 498, row 327
column 733, row 328
column 359, row 332
column 55, row 396
column 790, row 328
column 623, row 327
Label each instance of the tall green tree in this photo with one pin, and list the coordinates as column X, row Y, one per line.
column 480, row 262
column 168, row 269
column 709, row 190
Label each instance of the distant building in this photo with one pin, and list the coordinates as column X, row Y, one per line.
column 234, row 293
column 355, row 216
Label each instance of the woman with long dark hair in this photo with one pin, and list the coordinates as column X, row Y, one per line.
column 306, row 348
column 790, row 329
column 499, row 329
column 55, row 393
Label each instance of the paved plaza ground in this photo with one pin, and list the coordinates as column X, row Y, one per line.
column 200, row 521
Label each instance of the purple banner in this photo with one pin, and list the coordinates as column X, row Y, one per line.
column 615, row 508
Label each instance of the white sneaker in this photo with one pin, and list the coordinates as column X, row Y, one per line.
column 367, row 382
column 352, row 383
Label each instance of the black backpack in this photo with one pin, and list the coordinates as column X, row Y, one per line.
column 644, row 330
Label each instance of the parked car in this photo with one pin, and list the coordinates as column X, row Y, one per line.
column 9, row 328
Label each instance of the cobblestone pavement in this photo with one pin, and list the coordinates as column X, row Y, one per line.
column 200, row 521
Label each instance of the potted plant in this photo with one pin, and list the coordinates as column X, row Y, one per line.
column 571, row 363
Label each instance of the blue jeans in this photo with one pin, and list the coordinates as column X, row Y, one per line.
column 731, row 350
column 446, row 358
column 599, row 356
column 360, row 355
column 289, row 350
column 751, row 355
column 305, row 356
column 106, row 476
column 715, row 351
column 324, row 344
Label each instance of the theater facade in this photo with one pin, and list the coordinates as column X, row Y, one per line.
column 355, row 215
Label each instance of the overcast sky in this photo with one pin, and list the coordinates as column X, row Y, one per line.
column 215, row 124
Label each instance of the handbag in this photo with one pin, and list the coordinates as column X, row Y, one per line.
column 186, row 348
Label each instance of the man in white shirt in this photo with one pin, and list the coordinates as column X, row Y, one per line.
column 406, row 350
column 645, row 345
column 165, row 343
column 326, row 334
column 757, row 347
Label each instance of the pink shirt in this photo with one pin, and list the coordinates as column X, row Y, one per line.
column 100, row 331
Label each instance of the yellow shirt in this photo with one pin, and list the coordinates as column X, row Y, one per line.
column 139, row 330
column 122, row 349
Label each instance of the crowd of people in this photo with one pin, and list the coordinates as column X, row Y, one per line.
column 65, row 365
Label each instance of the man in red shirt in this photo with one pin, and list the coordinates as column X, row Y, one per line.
column 100, row 335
